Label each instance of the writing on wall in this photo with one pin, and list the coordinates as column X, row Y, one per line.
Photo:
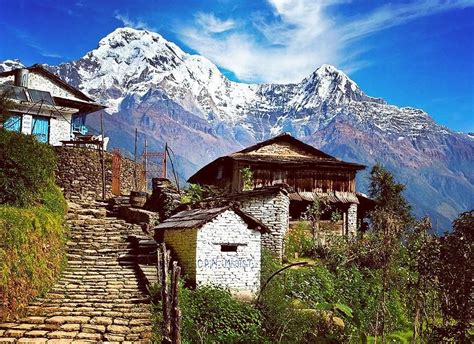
column 218, row 263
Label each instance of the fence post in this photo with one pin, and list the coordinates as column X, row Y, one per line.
column 171, row 324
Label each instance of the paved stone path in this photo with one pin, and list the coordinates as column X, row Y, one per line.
column 99, row 298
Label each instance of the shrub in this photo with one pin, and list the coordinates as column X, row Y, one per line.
column 299, row 241
column 26, row 168
column 212, row 315
column 32, row 253
column 32, row 232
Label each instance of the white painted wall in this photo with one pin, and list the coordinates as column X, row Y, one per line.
column 59, row 130
column 39, row 82
column 26, row 124
column 237, row 271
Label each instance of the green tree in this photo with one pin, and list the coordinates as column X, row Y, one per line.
column 391, row 219
column 5, row 105
column 455, row 274
column 392, row 211
column 422, row 255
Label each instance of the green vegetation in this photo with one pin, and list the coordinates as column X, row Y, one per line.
column 26, row 169
column 211, row 315
column 247, row 179
column 32, row 232
column 396, row 284
column 196, row 193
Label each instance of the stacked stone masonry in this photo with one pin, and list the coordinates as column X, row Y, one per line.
column 79, row 173
column 98, row 298
column 273, row 211
column 352, row 220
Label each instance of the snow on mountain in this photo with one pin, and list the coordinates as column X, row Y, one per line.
column 8, row 65
column 128, row 63
column 171, row 96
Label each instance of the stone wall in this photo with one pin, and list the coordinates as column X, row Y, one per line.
column 273, row 210
column 352, row 220
column 182, row 243
column 79, row 173
column 59, row 129
column 238, row 271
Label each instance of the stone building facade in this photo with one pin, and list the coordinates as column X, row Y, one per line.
column 352, row 220
column 79, row 173
column 270, row 206
column 217, row 246
column 45, row 106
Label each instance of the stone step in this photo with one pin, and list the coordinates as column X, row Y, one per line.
column 100, row 295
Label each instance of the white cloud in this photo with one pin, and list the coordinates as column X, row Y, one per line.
column 210, row 23
column 300, row 36
column 128, row 22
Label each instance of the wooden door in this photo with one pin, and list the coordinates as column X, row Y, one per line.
column 116, row 171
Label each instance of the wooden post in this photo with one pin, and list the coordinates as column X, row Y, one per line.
column 102, row 158
column 171, row 323
column 164, row 161
column 175, row 311
column 145, row 156
column 166, row 329
column 135, row 175
column 159, row 270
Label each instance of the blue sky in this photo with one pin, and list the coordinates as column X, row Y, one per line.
column 411, row 53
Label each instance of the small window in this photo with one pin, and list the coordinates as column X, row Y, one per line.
column 228, row 248
column 13, row 123
column 220, row 171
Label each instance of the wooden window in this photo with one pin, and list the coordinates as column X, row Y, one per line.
column 220, row 171
column 13, row 123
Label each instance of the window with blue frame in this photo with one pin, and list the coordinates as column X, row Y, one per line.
column 13, row 123
column 78, row 124
column 40, row 128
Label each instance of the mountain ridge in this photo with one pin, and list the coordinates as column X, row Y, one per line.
column 171, row 96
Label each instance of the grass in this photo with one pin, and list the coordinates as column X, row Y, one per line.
column 32, row 251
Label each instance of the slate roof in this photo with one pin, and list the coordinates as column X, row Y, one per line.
column 195, row 218
column 314, row 158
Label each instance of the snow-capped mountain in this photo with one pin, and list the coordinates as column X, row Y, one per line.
column 128, row 63
column 171, row 96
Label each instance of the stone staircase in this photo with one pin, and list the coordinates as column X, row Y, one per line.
column 100, row 297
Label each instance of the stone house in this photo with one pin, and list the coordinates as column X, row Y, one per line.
column 44, row 105
column 308, row 172
column 217, row 246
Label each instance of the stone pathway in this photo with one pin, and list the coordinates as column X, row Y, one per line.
column 99, row 298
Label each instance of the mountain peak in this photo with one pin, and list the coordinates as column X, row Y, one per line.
column 8, row 65
column 328, row 83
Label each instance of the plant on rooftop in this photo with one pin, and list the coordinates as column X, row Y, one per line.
column 247, row 179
